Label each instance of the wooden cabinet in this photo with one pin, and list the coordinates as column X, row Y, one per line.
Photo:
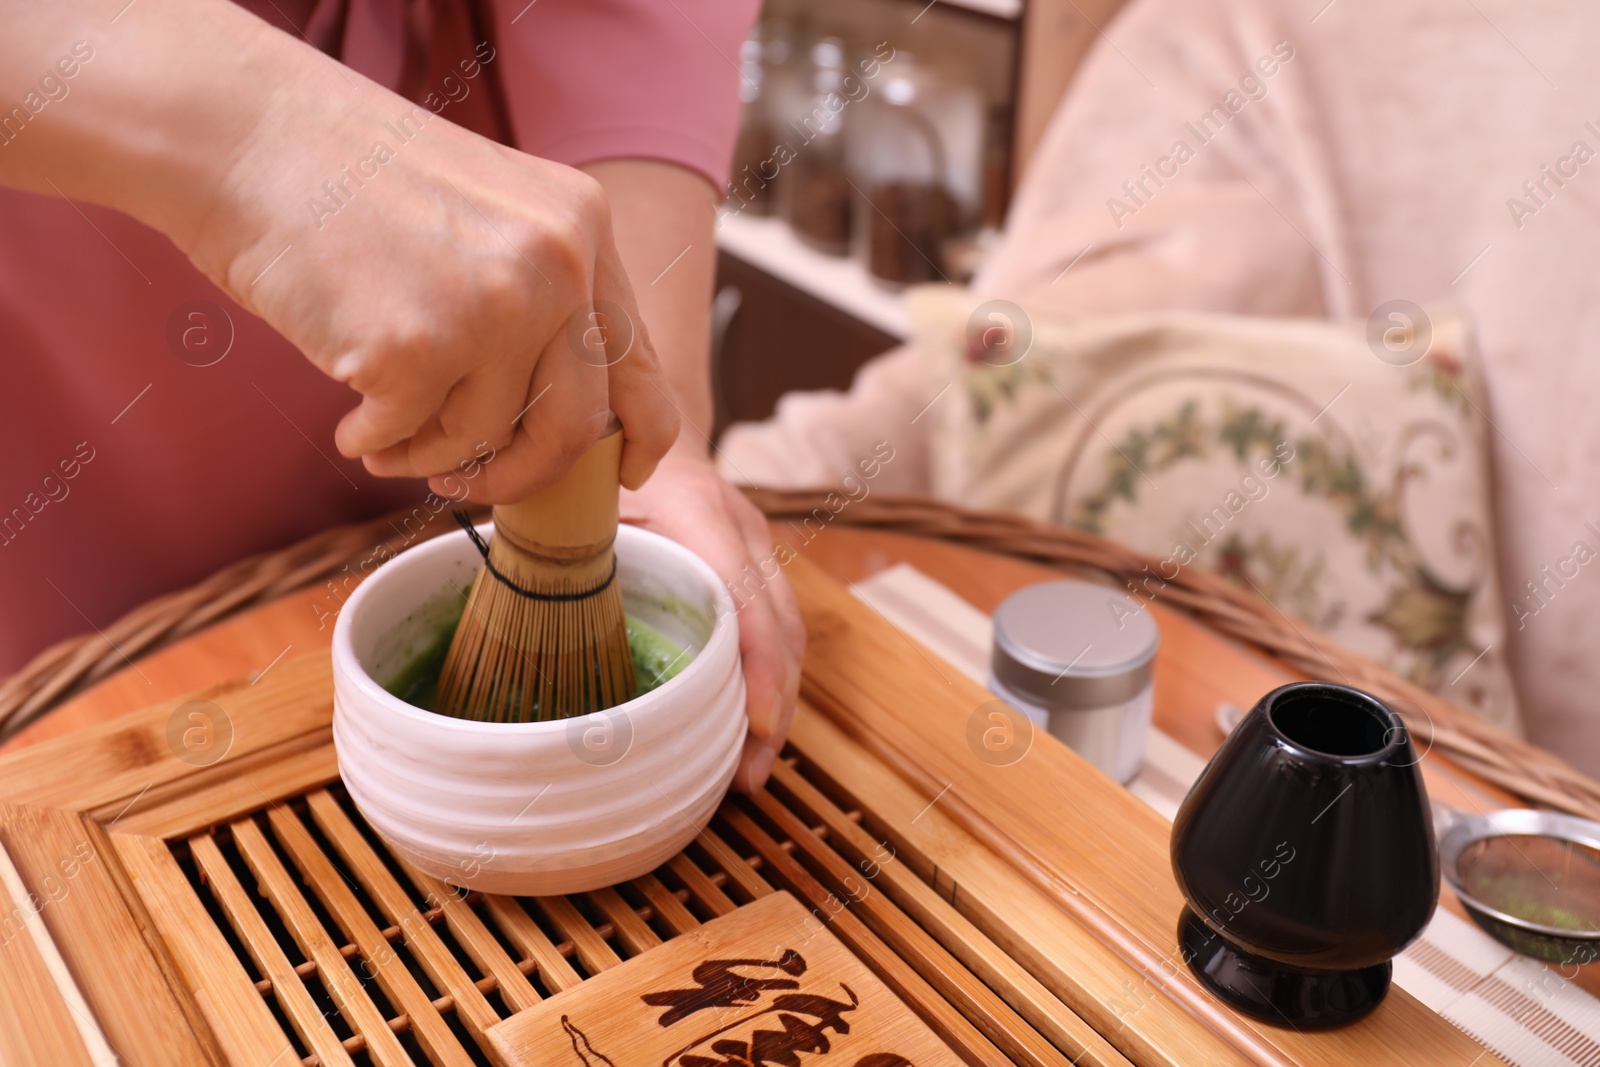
column 769, row 337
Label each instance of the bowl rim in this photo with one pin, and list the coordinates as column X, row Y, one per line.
column 347, row 666
column 1396, row 732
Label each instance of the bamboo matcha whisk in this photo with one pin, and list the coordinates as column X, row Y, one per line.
column 543, row 635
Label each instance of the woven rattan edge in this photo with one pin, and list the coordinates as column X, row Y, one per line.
column 1530, row 773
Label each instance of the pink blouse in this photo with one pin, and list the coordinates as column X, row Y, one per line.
column 140, row 454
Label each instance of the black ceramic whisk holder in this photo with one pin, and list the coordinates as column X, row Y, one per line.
column 1306, row 854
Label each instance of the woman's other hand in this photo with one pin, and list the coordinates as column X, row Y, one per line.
column 689, row 502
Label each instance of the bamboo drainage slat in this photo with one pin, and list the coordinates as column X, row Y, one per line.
column 945, row 1020
column 397, row 983
column 304, row 909
column 679, row 919
column 631, row 927
column 441, row 966
column 341, row 983
column 988, row 994
column 509, row 978
column 593, row 951
column 520, row 929
column 287, row 983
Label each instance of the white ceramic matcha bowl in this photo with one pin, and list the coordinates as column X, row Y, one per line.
column 546, row 807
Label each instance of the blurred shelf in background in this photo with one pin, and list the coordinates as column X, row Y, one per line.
column 771, row 335
column 839, row 281
column 975, row 81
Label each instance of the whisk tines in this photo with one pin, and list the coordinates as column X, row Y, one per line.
column 543, row 635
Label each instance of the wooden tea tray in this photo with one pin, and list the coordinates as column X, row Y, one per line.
column 234, row 908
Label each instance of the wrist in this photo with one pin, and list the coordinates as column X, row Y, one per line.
column 211, row 154
column 286, row 143
column 152, row 128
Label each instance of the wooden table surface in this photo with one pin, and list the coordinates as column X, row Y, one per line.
column 1196, row 670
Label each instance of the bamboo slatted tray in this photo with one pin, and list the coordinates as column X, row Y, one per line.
column 155, row 912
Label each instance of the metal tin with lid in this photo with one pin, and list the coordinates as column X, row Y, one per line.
column 1079, row 660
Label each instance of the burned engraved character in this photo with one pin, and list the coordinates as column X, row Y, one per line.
column 720, row 985
column 767, row 1048
column 580, row 1046
column 749, row 1029
column 778, row 1033
column 805, row 1019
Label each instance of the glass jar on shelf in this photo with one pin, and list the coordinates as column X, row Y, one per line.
column 916, row 151
column 764, row 66
column 817, row 194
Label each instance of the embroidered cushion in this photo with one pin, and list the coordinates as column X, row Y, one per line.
column 1342, row 477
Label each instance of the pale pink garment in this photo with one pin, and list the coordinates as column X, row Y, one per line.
column 1423, row 151
column 177, row 470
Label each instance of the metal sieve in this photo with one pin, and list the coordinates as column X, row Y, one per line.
column 1531, row 879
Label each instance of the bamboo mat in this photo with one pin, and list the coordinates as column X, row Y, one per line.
column 1520, row 1009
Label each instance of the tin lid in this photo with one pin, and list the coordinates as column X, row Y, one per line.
column 1073, row 644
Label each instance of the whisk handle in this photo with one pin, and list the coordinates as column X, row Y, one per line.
column 576, row 517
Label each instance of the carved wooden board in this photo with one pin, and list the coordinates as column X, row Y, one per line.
column 764, row 986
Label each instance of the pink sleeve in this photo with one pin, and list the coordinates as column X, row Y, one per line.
column 605, row 79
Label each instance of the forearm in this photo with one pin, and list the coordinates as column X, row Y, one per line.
column 158, row 107
column 664, row 217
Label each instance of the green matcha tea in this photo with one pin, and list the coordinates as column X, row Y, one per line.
column 656, row 659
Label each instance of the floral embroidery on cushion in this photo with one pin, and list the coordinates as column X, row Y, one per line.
column 1159, row 431
column 1425, row 616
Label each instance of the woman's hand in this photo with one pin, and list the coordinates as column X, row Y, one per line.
column 470, row 293
column 689, row 502
column 461, row 288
